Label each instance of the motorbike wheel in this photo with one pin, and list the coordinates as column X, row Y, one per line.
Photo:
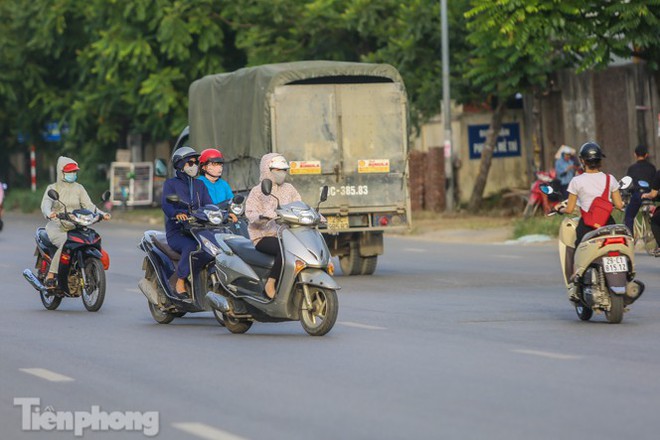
column 93, row 294
column 236, row 325
column 351, row 264
column 179, row 314
column 50, row 302
column 584, row 313
column 219, row 317
column 615, row 314
column 160, row 316
column 319, row 317
column 530, row 209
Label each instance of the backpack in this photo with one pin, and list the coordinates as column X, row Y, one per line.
column 600, row 209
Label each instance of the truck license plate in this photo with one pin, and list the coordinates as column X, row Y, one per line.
column 337, row 222
column 615, row 264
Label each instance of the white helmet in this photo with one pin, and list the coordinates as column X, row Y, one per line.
column 278, row 163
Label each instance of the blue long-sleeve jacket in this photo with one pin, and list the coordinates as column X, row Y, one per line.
column 190, row 191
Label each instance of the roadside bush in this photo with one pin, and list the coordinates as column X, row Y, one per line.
column 537, row 225
column 23, row 199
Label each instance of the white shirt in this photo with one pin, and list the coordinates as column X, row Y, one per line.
column 588, row 186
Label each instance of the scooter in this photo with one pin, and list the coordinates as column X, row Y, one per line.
column 537, row 200
column 306, row 291
column 160, row 263
column 236, row 206
column 82, row 265
column 599, row 274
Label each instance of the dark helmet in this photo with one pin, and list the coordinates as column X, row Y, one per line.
column 182, row 154
column 591, row 153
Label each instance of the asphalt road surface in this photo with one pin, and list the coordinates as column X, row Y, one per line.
column 445, row 341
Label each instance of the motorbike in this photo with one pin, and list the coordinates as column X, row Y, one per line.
column 82, row 265
column 537, row 200
column 642, row 231
column 236, row 206
column 306, row 291
column 599, row 275
column 160, row 263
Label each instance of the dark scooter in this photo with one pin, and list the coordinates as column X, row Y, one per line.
column 161, row 261
column 82, row 269
column 306, row 291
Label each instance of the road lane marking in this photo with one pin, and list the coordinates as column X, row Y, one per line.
column 364, row 326
column 548, row 354
column 47, row 374
column 205, row 431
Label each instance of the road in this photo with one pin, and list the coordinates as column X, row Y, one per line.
column 445, row 341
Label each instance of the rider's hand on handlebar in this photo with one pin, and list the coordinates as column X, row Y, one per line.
column 233, row 217
column 107, row 216
column 53, row 214
column 182, row 217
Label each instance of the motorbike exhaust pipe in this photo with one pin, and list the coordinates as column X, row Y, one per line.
column 147, row 288
column 34, row 281
column 217, row 302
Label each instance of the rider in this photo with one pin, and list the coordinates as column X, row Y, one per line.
column 260, row 212
column 642, row 169
column 192, row 193
column 72, row 195
column 210, row 165
column 583, row 189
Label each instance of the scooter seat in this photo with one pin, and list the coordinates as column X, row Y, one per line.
column 248, row 253
column 43, row 238
column 159, row 239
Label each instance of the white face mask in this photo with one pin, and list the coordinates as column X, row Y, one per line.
column 191, row 170
column 279, row 176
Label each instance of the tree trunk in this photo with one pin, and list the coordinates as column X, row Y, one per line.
column 487, row 156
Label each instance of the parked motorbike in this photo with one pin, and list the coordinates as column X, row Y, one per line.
column 160, row 263
column 306, row 291
column 599, row 274
column 82, row 265
column 537, row 201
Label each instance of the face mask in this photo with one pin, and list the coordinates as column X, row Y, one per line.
column 191, row 170
column 70, row 177
column 278, row 176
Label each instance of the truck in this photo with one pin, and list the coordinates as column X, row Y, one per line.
column 340, row 124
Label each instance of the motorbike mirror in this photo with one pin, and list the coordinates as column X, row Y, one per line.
column 173, row 198
column 546, row 189
column 643, row 184
column 238, row 199
column 626, row 182
column 266, row 187
column 53, row 194
column 105, row 196
column 324, row 194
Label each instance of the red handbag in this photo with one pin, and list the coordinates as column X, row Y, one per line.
column 600, row 209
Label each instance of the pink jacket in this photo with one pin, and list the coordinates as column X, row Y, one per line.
column 258, row 204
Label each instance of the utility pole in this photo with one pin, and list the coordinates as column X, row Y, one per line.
column 446, row 110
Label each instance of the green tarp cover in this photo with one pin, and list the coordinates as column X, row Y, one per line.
column 231, row 111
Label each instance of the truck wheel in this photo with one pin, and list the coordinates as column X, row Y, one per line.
column 369, row 265
column 351, row 264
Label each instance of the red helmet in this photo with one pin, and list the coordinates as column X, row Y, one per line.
column 70, row 167
column 210, row 155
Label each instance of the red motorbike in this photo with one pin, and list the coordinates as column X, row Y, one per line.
column 537, row 200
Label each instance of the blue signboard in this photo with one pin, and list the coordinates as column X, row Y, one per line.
column 507, row 145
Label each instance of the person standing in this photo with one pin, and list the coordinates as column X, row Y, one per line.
column 565, row 167
column 644, row 170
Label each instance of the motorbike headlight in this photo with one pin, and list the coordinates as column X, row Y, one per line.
column 84, row 219
column 307, row 217
column 215, row 217
column 236, row 209
column 213, row 249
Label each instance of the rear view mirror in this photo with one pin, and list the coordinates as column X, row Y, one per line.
column 627, row 181
column 643, row 184
column 105, row 196
column 238, row 199
column 266, row 186
column 546, row 189
column 54, row 195
column 160, row 168
column 324, row 193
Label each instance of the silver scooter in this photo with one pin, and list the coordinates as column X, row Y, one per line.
column 306, row 291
